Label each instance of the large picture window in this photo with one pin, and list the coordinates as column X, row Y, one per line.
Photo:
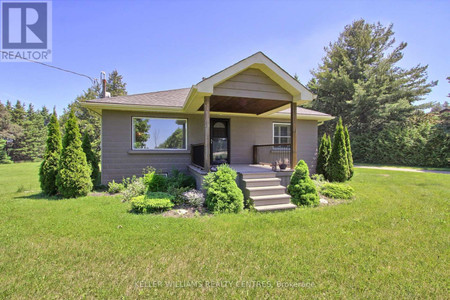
column 159, row 134
column 281, row 133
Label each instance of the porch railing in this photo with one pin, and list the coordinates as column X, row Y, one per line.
column 197, row 154
column 268, row 154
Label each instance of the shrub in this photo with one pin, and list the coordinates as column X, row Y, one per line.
column 4, row 157
column 177, row 193
column 337, row 191
column 337, row 169
column 323, row 155
column 74, row 173
column 194, row 198
column 134, row 187
column 178, row 179
column 144, row 204
column 115, row 187
column 91, row 159
column 155, row 182
column 301, row 187
column 49, row 166
column 348, row 147
column 222, row 193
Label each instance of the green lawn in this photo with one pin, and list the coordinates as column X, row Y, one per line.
column 392, row 241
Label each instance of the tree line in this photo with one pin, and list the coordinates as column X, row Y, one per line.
column 23, row 130
column 360, row 81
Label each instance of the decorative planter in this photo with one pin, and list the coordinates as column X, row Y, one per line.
column 283, row 166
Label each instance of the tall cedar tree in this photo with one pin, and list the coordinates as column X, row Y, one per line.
column 301, row 187
column 359, row 79
column 74, row 173
column 91, row 159
column 348, row 147
column 338, row 162
column 323, row 155
column 49, row 166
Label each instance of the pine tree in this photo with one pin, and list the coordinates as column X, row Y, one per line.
column 91, row 159
column 322, row 156
column 338, row 162
column 74, row 173
column 359, row 80
column 49, row 166
column 301, row 186
column 348, row 147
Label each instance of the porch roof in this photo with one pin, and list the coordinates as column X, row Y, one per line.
column 249, row 103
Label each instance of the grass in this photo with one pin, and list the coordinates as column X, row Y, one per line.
column 391, row 241
column 403, row 167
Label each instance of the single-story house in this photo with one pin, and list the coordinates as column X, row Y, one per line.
column 246, row 115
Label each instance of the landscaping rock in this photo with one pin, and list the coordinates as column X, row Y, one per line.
column 323, row 201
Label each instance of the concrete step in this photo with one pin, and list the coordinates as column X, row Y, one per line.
column 255, row 182
column 275, row 207
column 258, row 175
column 266, row 190
column 271, row 199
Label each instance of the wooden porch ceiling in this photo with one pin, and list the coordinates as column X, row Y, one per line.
column 243, row 105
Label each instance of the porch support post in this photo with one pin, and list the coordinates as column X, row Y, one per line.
column 293, row 160
column 207, row 149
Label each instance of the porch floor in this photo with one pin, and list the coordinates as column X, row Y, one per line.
column 250, row 168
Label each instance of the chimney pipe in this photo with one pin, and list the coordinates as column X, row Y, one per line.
column 103, row 79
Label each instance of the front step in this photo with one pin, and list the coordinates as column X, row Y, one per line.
column 258, row 182
column 275, row 207
column 266, row 190
column 271, row 199
column 259, row 175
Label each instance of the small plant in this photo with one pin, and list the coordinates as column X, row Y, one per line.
column 153, row 202
column 178, row 179
column 222, row 193
column 337, row 191
column 115, row 187
column 301, row 187
column 194, row 198
column 21, row 189
column 323, row 155
column 135, row 187
column 177, row 193
column 155, row 182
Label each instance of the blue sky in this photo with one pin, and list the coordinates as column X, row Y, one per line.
column 158, row 45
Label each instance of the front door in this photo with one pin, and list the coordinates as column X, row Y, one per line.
column 220, row 143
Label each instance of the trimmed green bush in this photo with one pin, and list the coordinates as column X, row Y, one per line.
column 337, row 190
column 323, row 155
column 49, row 166
column 156, row 203
column 348, row 147
column 115, row 187
column 222, row 193
column 74, row 173
column 301, row 187
column 337, row 169
column 91, row 159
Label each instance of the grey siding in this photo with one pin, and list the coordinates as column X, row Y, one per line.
column 119, row 161
column 252, row 83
